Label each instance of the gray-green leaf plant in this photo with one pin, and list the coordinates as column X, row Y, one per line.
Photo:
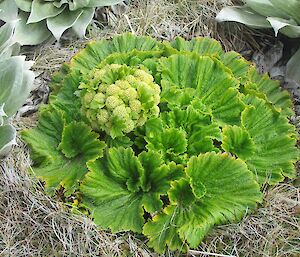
column 38, row 20
column 16, row 82
column 282, row 16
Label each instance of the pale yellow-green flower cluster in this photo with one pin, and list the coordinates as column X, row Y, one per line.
column 117, row 98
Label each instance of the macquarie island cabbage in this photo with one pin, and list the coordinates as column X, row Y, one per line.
column 167, row 139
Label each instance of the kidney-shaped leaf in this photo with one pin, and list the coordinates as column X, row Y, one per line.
column 215, row 86
column 218, row 189
column 274, row 139
column 118, row 187
column 237, row 140
column 60, row 151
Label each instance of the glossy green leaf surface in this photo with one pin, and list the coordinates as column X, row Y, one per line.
column 168, row 138
column 61, row 151
column 122, row 184
column 205, row 198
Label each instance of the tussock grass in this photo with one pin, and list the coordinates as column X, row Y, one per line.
column 32, row 224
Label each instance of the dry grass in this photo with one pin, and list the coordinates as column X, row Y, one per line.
column 166, row 19
column 32, row 224
column 274, row 230
column 162, row 19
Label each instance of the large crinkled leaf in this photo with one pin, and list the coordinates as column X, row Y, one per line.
column 49, row 129
column 180, row 132
column 238, row 65
column 120, row 185
column 66, row 98
column 30, row 34
column 128, row 42
column 214, row 85
column 148, row 59
column 170, row 142
column 200, row 45
column 59, row 24
column 78, row 141
column 41, row 10
column 95, row 52
column 91, row 56
column 60, row 151
column 16, row 81
column 246, row 73
column 281, row 99
column 243, row 15
column 218, row 189
column 237, row 140
column 58, row 79
column 274, row 139
column 7, row 139
column 199, row 128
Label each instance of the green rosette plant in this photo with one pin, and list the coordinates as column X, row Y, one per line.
column 213, row 131
column 37, row 20
column 16, row 82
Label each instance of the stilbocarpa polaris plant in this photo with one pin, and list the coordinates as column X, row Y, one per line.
column 167, row 139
